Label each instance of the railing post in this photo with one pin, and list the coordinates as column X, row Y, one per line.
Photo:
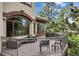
column 1, row 45
column 17, row 46
column 61, row 42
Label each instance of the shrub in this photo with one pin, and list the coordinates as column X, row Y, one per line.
column 73, row 45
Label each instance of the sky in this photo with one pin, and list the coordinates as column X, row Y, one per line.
column 39, row 5
column 59, row 5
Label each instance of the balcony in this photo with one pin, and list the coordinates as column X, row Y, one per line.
column 55, row 46
column 27, row 3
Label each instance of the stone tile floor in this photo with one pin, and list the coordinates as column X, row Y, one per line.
column 31, row 49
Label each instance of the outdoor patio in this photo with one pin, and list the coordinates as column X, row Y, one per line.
column 33, row 49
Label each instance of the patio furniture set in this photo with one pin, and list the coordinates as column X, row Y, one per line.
column 46, row 43
column 14, row 44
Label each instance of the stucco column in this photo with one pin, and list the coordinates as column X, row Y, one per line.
column 31, row 29
column 36, row 28
column 1, row 24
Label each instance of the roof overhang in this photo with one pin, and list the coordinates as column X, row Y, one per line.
column 41, row 19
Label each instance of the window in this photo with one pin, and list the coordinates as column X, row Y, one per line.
column 17, row 26
column 40, row 27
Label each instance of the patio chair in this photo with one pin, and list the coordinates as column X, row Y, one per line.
column 56, row 46
column 44, row 43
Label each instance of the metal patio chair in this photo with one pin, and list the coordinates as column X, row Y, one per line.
column 44, row 43
column 56, row 46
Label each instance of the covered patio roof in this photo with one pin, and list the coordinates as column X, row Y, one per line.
column 41, row 19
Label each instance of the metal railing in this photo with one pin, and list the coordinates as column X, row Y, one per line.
column 31, row 46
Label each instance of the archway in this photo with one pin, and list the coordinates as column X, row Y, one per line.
column 17, row 23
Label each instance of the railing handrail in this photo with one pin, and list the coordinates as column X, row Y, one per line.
column 34, row 38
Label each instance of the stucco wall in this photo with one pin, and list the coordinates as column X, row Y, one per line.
column 14, row 6
column 1, row 24
column 17, row 6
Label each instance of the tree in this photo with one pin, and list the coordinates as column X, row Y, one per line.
column 75, row 15
column 49, row 11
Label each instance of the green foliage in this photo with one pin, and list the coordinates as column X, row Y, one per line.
column 59, row 24
column 73, row 45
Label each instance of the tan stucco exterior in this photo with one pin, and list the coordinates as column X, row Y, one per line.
column 7, row 7
column 16, row 6
column 1, row 24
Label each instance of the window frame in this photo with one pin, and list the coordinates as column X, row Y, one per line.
column 19, row 22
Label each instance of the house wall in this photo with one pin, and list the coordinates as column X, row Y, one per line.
column 17, row 6
column 14, row 6
column 1, row 23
